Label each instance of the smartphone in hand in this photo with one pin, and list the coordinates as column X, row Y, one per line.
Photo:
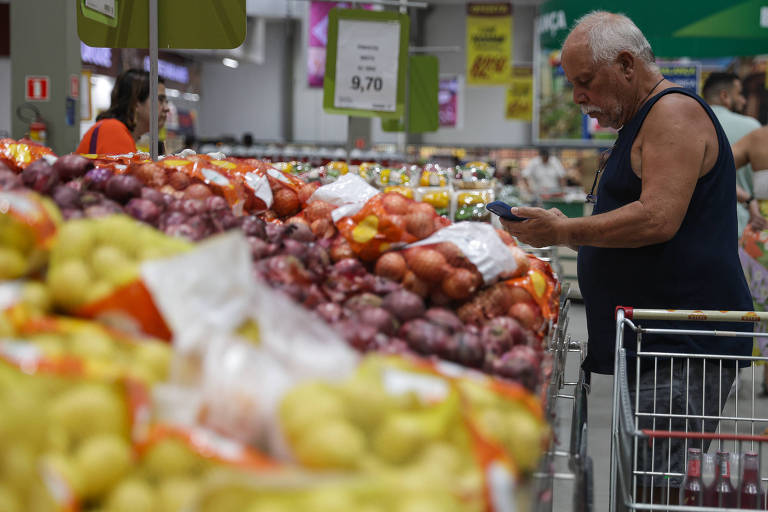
column 502, row 209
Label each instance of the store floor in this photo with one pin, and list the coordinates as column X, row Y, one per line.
column 599, row 416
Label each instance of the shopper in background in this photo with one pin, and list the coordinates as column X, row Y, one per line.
column 752, row 149
column 117, row 129
column 723, row 92
column 663, row 229
column 544, row 174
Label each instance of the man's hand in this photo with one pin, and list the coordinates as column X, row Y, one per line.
column 756, row 219
column 542, row 228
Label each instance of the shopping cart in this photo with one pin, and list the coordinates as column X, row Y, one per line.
column 565, row 469
column 654, row 426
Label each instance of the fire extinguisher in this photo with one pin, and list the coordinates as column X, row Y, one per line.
column 38, row 128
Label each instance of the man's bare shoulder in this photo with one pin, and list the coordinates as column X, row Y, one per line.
column 678, row 114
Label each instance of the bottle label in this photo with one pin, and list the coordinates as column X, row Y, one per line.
column 694, row 467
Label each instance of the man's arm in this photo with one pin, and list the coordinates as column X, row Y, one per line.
column 741, row 151
column 673, row 146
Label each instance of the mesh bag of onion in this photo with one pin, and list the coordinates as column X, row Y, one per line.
column 19, row 154
column 389, row 221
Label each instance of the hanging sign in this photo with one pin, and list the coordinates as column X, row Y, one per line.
column 365, row 66
column 685, row 74
column 489, row 43
column 520, row 94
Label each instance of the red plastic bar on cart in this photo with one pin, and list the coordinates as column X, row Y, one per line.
column 692, row 314
column 673, row 434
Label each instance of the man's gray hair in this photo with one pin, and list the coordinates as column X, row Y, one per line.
column 609, row 34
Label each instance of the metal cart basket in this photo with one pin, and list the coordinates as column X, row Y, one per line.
column 667, row 403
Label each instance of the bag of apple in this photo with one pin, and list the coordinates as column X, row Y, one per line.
column 17, row 155
column 388, row 221
column 28, row 224
column 436, row 424
column 68, row 434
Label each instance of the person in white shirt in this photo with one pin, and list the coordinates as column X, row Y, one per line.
column 723, row 91
column 544, row 174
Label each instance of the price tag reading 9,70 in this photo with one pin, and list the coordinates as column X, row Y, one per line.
column 366, row 65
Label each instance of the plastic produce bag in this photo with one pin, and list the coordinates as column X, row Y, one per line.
column 349, row 193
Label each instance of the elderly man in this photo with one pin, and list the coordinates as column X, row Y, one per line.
column 663, row 229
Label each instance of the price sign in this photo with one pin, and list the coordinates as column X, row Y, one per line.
column 365, row 65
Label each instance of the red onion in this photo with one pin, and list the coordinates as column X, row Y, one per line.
column 155, row 196
column 467, row 350
column 404, row 305
column 9, row 180
column 72, row 166
column 363, row 301
column 215, row 203
column 424, row 337
column 444, row 318
column 254, row 226
column 295, row 248
column 143, row 210
column 122, row 188
column 66, row 197
column 329, row 311
column 378, row 318
column 349, row 267
column 302, row 233
column 96, row 179
column 40, row 177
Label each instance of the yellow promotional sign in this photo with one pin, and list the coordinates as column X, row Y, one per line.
column 489, row 43
column 520, row 94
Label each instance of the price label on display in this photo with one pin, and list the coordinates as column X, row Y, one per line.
column 105, row 7
column 367, row 65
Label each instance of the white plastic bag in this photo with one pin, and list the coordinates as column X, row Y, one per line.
column 350, row 193
column 480, row 243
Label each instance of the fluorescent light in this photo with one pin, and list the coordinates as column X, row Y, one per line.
column 190, row 96
column 172, row 93
column 230, row 63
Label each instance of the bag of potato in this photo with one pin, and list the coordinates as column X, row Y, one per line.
column 67, row 436
column 28, row 224
column 455, row 262
column 405, row 420
column 102, row 351
column 531, row 298
column 388, row 221
column 17, row 155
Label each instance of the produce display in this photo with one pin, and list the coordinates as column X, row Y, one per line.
column 445, row 325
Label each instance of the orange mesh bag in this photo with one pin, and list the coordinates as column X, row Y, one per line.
column 387, row 221
column 19, row 154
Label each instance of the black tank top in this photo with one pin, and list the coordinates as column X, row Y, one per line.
column 697, row 269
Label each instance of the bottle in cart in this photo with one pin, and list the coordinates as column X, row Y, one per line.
column 751, row 493
column 721, row 493
column 692, row 488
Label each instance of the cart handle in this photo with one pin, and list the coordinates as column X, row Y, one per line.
column 707, row 315
column 667, row 434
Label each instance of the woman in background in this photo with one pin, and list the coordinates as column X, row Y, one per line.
column 117, row 129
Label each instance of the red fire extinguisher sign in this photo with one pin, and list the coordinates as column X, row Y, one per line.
column 37, row 88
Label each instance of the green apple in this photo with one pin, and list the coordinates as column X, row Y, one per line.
column 307, row 404
column 69, row 283
column 328, row 499
column 331, row 444
column 105, row 259
column 12, row 263
column 62, row 469
column 169, row 458
column 119, row 231
column 75, row 240
column 176, row 494
column 102, row 461
column 9, row 500
column 155, row 357
column 132, row 496
column 98, row 291
column 35, row 295
column 92, row 343
column 22, row 417
column 18, row 467
column 525, row 440
column 89, row 409
column 399, row 438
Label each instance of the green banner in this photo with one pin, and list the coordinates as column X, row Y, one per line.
column 195, row 24
column 423, row 89
column 700, row 28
